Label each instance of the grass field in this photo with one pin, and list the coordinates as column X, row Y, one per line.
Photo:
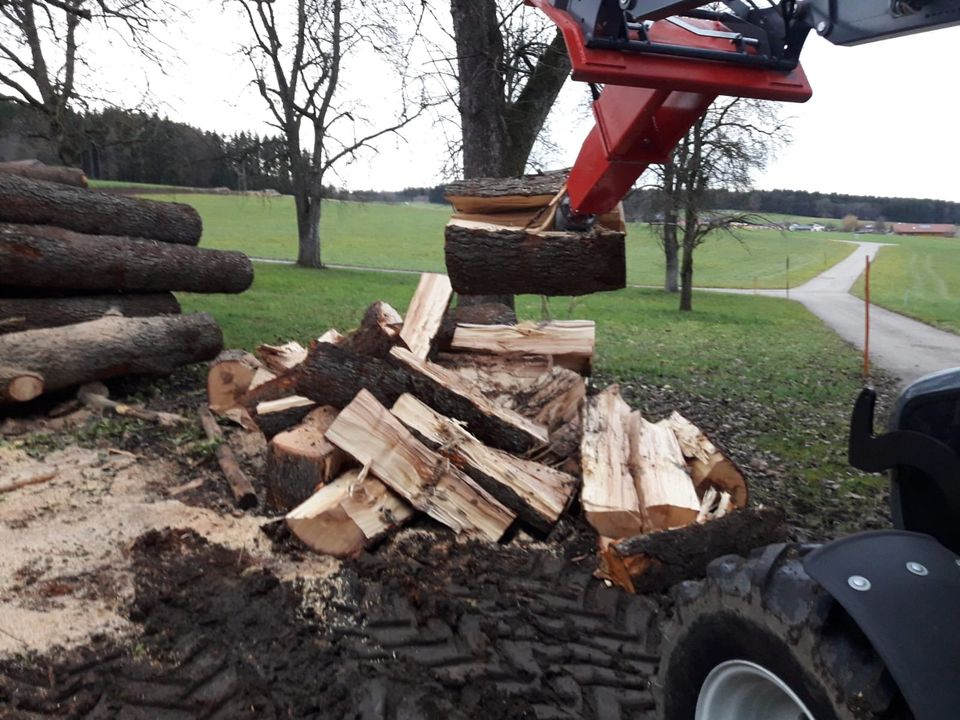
column 919, row 277
column 772, row 375
column 410, row 237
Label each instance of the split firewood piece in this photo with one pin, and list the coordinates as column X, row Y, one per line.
column 664, row 487
column 36, row 202
column 240, row 484
column 425, row 314
column 96, row 396
column 9, row 483
column 276, row 416
column 379, row 331
column 536, row 493
column 300, row 460
column 19, row 385
column 33, row 313
column 111, row 347
column 493, row 195
column 488, row 313
column 487, row 258
column 445, row 391
column 347, row 516
column 609, row 496
column 708, row 466
column 654, row 562
column 230, row 377
column 280, row 358
column 428, row 481
column 332, row 336
column 570, row 343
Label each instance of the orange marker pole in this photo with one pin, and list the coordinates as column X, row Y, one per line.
column 866, row 334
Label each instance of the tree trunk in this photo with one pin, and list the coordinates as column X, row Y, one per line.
column 112, row 347
column 19, row 314
column 671, row 253
column 308, row 230
column 686, row 273
column 50, row 257
column 36, row 202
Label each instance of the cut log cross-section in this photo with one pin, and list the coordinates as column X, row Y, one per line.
column 570, row 343
column 111, row 347
column 347, row 516
column 37, row 202
column 708, row 466
column 34, row 313
column 425, row 314
column 229, row 378
column 536, row 493
column 378, row 440
column 53, row 258
column 19, row 385
column 609, row 494
column 300, row 460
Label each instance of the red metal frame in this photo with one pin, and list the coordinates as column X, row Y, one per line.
column 650, row 101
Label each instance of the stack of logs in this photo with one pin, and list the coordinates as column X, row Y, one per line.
column 483, row 427
column 86, row 281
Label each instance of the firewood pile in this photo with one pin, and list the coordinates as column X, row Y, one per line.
column 485, row 427
column 86, row 282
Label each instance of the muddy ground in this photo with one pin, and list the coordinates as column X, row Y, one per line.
column 131, row 588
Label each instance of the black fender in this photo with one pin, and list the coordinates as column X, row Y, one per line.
column 903, row 590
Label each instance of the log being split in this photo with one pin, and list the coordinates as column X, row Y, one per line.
column 53, row 258
column 33, row 313
column 300, row 460
column 570, row 343
column 371, row 434
column 483, row 258
column 708, row 466
column 654, row 562
column 347, row 516
column 425, row 314
column 111, row 347
column 19, row 385
column 36, row 170
column 240, row 484
column 36, row 202
column 536, row 493
column 496, row 195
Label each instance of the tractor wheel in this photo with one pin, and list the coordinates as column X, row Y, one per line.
column 760, row 640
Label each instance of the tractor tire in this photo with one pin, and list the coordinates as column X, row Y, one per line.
column 759, row 638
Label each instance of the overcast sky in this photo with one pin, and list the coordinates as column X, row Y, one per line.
column 881, row 121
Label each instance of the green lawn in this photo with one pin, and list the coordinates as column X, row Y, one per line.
column 774, row 377
column 919, row 277
column 410, row 237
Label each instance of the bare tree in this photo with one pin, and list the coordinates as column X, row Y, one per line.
column 42, row 56
column 733, row 139
column 298, row 65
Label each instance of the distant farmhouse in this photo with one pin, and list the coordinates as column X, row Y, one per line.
column 941, row 230
column 804, row 227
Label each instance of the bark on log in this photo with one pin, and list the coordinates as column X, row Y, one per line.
column 37, row 202
column 33, row 313
column 652, row 563
column 570, row 343
column 425, row 314
column 479, row 195
column 112, row 347
column 53, row 258
column 332, row 375
column 278, row 416
column 485, row 259
column 379, row 331
column 19, row 385
column 348, row 516
column 536, row 493
column 240, row 485
column 367, row 431
column 36, row 170
column 447, row 393
column 300, row 460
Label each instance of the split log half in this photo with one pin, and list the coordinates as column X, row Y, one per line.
column 490, row 313
column 229, row 378
column 379, row 331
column 53, row 258
column 276, row 416
column 570, row 343
column 36, row 170
column 450, row 395
column 485, row 259
column 280, row 358
column 708, row 466
column 536, row 493
column 429, row 482
column 665, row 489
column 301, row 460
column 654, row 562
column 37, row 202
column 19, row 385
column 425, row 314
column 33, row 313
column 479, row 195
column 112, row 347
column 609, row 496
column 347, row 516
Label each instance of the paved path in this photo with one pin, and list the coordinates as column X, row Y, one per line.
column 905, row 347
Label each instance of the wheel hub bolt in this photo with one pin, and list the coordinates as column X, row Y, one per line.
column 917, row 569
column 859, row 583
